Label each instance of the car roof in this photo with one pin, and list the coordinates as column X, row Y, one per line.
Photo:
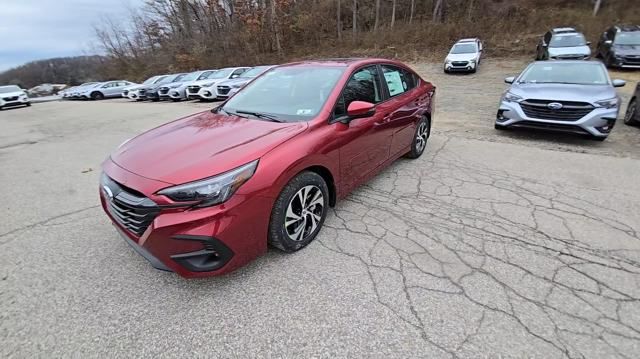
column 469, row 40
column 627, row 28
column 563, row 30
column 344, row 62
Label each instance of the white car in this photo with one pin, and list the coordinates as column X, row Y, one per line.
column 464, row 56
column 206, row 89
column 66, row 93
column 131, row 92
column 104, row 90
column 178, row 90
column 228, row 88
column 13, row 95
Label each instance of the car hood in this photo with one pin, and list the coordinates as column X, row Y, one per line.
column 200, row 82
column 625, row 50
column 563, row 92
column 200, row 146
column 240, row 81
column 12, row 94
column 131, row 87
column 573, row 50
column 461, row 57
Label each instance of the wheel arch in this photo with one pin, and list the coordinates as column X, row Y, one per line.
column 327, row 176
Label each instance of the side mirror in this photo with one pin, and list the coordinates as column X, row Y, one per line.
column 588, row 43
column 608, row 42
column 619, row 83
column 234, row 76
column 359, row 109
column 509, row 80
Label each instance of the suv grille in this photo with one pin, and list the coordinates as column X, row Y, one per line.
column 130, row 208
column 14, row 98
column 633, row 60
column 570, row 111
column 163, row 90
column 459, row 63
column 193, row 89
column 223, row 90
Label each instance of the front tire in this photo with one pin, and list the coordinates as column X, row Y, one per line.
column 299, row 212
column 420, row 138
column 97, row 96
column 631, row 116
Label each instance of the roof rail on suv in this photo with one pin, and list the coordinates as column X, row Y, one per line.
column 563, row 30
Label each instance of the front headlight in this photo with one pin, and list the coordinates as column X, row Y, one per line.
column 509, row 97
column 213, row 190
column 473, row 61
column 208, row 84
column 610, row 103
column 175, row 86
column 236, row 86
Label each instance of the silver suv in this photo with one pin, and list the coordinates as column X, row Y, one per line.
column 465, row 56
column 563, row 43
column 569, row 96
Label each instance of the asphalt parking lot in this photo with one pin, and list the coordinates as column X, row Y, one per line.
column 491, row 244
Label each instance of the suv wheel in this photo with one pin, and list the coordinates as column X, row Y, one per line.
column 299, row 212
column 631, row 116
column 97, row 96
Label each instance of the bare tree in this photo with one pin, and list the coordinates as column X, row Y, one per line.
column 393, row 13
column 413, row 11
column 355, row 18
column 438, row 10
column 338, row 20
column 596, row 6
column 377, row 21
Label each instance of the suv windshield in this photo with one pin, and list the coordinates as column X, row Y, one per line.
column 463, row 49
column 191, row 76
column 570, row 40
column 254, row 72
column 7, row 89
column 565, row 73
column 150, row 80
column 170, row 78
column 628, row 38
column 220, row 74
column 295, row 93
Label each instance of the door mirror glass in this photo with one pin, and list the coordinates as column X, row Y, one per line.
column 359, row 109
column 619, row 83
column 509, row 79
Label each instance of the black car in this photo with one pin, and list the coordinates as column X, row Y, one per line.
column 619, row 46
column 632, row 117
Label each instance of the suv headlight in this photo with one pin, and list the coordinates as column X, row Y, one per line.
column 509, row 97
column 213, row 190
column 208, row 84
column 610, row 103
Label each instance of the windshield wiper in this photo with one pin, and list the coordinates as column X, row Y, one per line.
column 261, row 115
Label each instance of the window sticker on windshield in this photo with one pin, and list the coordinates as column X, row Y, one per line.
column 304, row 111
column 394, row 83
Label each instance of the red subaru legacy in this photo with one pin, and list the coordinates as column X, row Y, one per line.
column 205, row 194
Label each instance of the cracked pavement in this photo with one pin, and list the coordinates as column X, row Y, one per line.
column 483, row 247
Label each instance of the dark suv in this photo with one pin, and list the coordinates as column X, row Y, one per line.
column 619, row 46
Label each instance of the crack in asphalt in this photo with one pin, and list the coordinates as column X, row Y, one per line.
column 480, row 241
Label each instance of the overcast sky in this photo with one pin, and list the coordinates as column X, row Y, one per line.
column 39, row 29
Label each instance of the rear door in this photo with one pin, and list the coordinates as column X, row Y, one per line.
column 404, row 105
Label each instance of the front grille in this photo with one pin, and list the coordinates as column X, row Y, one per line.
column 163, row 90
column 14, row 98
column 193, row 89
column 130, row 208
column 142, row 92
column 571, row 57
column 223, row 90
column 632, row 60
column 460, row 63
column 570, row 111
column 551, row 126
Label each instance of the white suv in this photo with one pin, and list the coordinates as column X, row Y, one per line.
column 13, row 96
column 464, row 56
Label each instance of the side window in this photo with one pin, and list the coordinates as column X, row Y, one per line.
column 204, row 75
column 238, row 72
column 398, row 80
column 363, row 85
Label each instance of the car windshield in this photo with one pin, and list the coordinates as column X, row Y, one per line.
column 565, row 73
column 191, row 76
column 150, row 80
column 254, row 72
column 569, row 40
column 220, row 74
column 628, row 38
column 7, row 89
column 206, row 74
column 170, row 78
column 289, row 94
column 463, row 49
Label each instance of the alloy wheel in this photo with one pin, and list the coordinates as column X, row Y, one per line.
column 421, row 136
column 304, row 213
column 629, row 117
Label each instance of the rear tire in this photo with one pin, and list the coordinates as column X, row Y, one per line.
column 299, row 212
column 631, row 116
column 420, row 138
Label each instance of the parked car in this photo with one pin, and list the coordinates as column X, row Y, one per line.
column 632, row 116
column 465, row 56
column 73, row 93
column 178, row 90
column 265, row 166
column 151, row 92
column 12, row 95
column 227, row 88
column 102, row 90
column 569, row 96
column 619, row 46
column 132, row 92
column 207, row 89
column 563, row 43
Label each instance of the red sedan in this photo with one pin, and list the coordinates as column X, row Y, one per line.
column 205, row 194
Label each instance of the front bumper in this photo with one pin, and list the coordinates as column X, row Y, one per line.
column 626, row 62
column 193, row 242
column 207, row 93
column 460, row 66
column 177, row 94
column 14, row 102
column 597, row 123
